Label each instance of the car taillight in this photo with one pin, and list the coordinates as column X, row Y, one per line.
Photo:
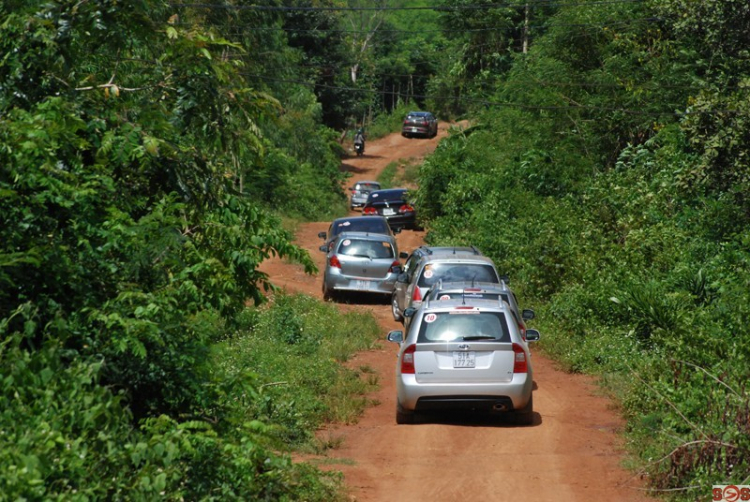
column 519, row 362
column 407, row 360
column 369, row 211
column 405, row 209
column 334, row 261
column 394, row 266
column 522, row 329
column 417, row 295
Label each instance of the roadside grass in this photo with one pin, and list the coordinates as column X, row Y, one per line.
column 385, row 124
column 400, row 173
column 292, row 355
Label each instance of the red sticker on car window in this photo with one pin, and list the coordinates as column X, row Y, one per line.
column 444, row 297
column 430, row 318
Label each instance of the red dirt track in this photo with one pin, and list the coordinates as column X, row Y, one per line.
column 571, row 454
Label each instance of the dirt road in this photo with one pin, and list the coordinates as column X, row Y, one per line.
column 570, row 454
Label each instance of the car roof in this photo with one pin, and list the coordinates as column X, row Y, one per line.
column 483, row 305
column 419, row 113
column 365, row 236
column 387, row 195
column 449, row 250
column 344, row 219
column 386, row 191
column 488, row 287
column 367, row 182
column 459, row 255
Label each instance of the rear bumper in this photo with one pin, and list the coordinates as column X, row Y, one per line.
column 415, row 131
column 339, row 282
column 494, row 397
column 407, row 220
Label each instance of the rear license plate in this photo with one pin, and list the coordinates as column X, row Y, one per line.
column 361, row 284
column 464, row 359
column 414, row 129
column 389, row 212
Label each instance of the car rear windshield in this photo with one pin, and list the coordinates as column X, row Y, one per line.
column 367, row 224
column 366, row 187
column 460, row 325
column 456, row 272
column 366, row 248
column 389, row 195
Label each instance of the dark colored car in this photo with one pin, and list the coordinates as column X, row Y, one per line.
column 393, row 205
column 355, row 224
column 419, row 124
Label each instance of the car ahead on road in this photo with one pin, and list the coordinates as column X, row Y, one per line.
column 464, row 356
column 360, row 191
column 470, row 291
column 361, row 262
column 427, row 265
column 419, row 124
column 378, row 225
column 394, row 205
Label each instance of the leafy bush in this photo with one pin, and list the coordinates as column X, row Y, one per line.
column 65, row 436
column 295, row 349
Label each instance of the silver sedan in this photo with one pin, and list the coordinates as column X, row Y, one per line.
column 466, row 357
column 361, row 262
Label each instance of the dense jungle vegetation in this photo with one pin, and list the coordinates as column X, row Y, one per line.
column 149, row 151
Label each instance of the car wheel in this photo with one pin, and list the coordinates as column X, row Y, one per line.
column 404, row 417
column 394, row 309
column 327, row 293
column 525, row 416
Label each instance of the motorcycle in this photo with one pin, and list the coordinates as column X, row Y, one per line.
column 359, row 148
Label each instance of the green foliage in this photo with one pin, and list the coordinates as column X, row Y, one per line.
column 130, row 244
column 612, row 189
column 295, row 348
column 67, row 437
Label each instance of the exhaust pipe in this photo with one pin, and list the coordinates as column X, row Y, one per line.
column 499, row 407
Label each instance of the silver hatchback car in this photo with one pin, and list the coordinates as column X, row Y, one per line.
column 361, row 262
column 360, row 191
column 464, row 356
column 427, row 265
column 470, row 291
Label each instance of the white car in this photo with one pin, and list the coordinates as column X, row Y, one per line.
column 464, row 356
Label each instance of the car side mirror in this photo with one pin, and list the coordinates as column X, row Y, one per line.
column 402, row 277
column 505, row 279
column 324, row 248
column 528, row 314
column 532, row 335
column 396, row 336
column 397, row 230
column 322, row 235
column 403, row 255
column 409, row 311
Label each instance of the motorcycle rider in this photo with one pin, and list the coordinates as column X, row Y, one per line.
column 359, row 141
